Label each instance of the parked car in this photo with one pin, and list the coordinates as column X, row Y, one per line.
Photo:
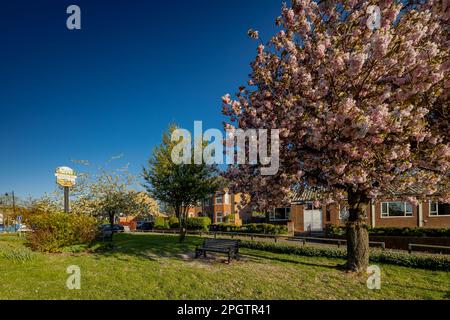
column 24, row 228
column 116, row 228
column 145, row 225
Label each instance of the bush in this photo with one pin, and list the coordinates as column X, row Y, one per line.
column 174, row 222
column 430, row 262
column 396, row 231
column 198, row 223
column 54, row 231
column 265, row 228
column 161, row 223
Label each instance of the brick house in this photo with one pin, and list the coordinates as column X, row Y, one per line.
column 302, row 215
column 221, row 205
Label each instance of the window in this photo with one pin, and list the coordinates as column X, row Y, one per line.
column 328, row 215
column 280, row 214
column 208, row 202
column 439, row 209
column 219, row 198
column 309, row 205
column 219, row 217
column 396, row 209
column 227, row 198
column 344, row 213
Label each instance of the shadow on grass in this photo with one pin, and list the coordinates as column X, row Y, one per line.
column 264, row 257
column 153, row 246
column 148, row 247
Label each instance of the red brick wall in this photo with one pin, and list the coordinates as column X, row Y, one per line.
column 401, row 222
column 433, row 221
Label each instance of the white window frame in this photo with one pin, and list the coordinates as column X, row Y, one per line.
column 286, row 215
column 217, row 217
column 405, row 213
column 340, row 212
column 436, row 215
column 219, row 196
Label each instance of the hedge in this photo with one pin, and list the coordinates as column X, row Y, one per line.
column 396, row 231
column 174, row 222
column 161, row 223
column 265, row 228
column 198, row 223
column 430, row 262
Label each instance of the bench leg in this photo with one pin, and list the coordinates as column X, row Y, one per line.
column 229, row 258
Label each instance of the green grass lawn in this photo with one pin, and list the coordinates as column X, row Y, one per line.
column 158, row 267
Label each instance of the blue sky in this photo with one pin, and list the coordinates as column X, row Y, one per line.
column 115, row 85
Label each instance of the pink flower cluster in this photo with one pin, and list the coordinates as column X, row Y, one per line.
column 359, row 110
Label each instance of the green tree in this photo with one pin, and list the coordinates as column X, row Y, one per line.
column 179, row 185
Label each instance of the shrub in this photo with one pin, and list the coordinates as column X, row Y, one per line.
column 174, row 222
column 53, row 231
column 161, row 223
column 396, row 231
column 198, row 223
column 430, row 262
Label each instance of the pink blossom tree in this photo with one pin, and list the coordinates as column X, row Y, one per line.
column 361, row 110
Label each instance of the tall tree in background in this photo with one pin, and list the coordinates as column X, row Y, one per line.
column 179, row 185
column 361, row 110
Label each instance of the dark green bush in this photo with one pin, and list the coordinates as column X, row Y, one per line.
column 198, row 223
column 174, row 222
column 54, row 231
column 395, row 231
column 265, row 228
column 430, row 262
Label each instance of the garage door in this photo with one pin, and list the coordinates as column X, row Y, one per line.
column 313, row 220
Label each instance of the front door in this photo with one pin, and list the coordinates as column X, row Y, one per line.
column 312, row 218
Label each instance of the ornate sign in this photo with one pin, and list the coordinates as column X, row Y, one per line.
column 65, row 176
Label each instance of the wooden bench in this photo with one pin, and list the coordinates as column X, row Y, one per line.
column 440, row 249
column 227, row 246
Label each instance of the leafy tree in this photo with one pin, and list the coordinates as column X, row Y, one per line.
column 360, row 110
column 179, row 185
column 107, row 194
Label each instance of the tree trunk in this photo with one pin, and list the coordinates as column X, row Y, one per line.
column 357, row 232
column 182, row 220
column 183, row 232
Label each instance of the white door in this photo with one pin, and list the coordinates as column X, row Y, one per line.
column 312, row 219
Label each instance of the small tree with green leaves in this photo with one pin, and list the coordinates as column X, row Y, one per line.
column 179, row 185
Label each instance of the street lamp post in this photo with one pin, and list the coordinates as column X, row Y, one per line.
column 13, row 201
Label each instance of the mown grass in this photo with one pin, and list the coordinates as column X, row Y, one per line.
column 158, row 267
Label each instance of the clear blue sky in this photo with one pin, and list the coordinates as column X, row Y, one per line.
column 115, row 85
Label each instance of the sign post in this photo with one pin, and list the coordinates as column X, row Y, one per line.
column 65, row 177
